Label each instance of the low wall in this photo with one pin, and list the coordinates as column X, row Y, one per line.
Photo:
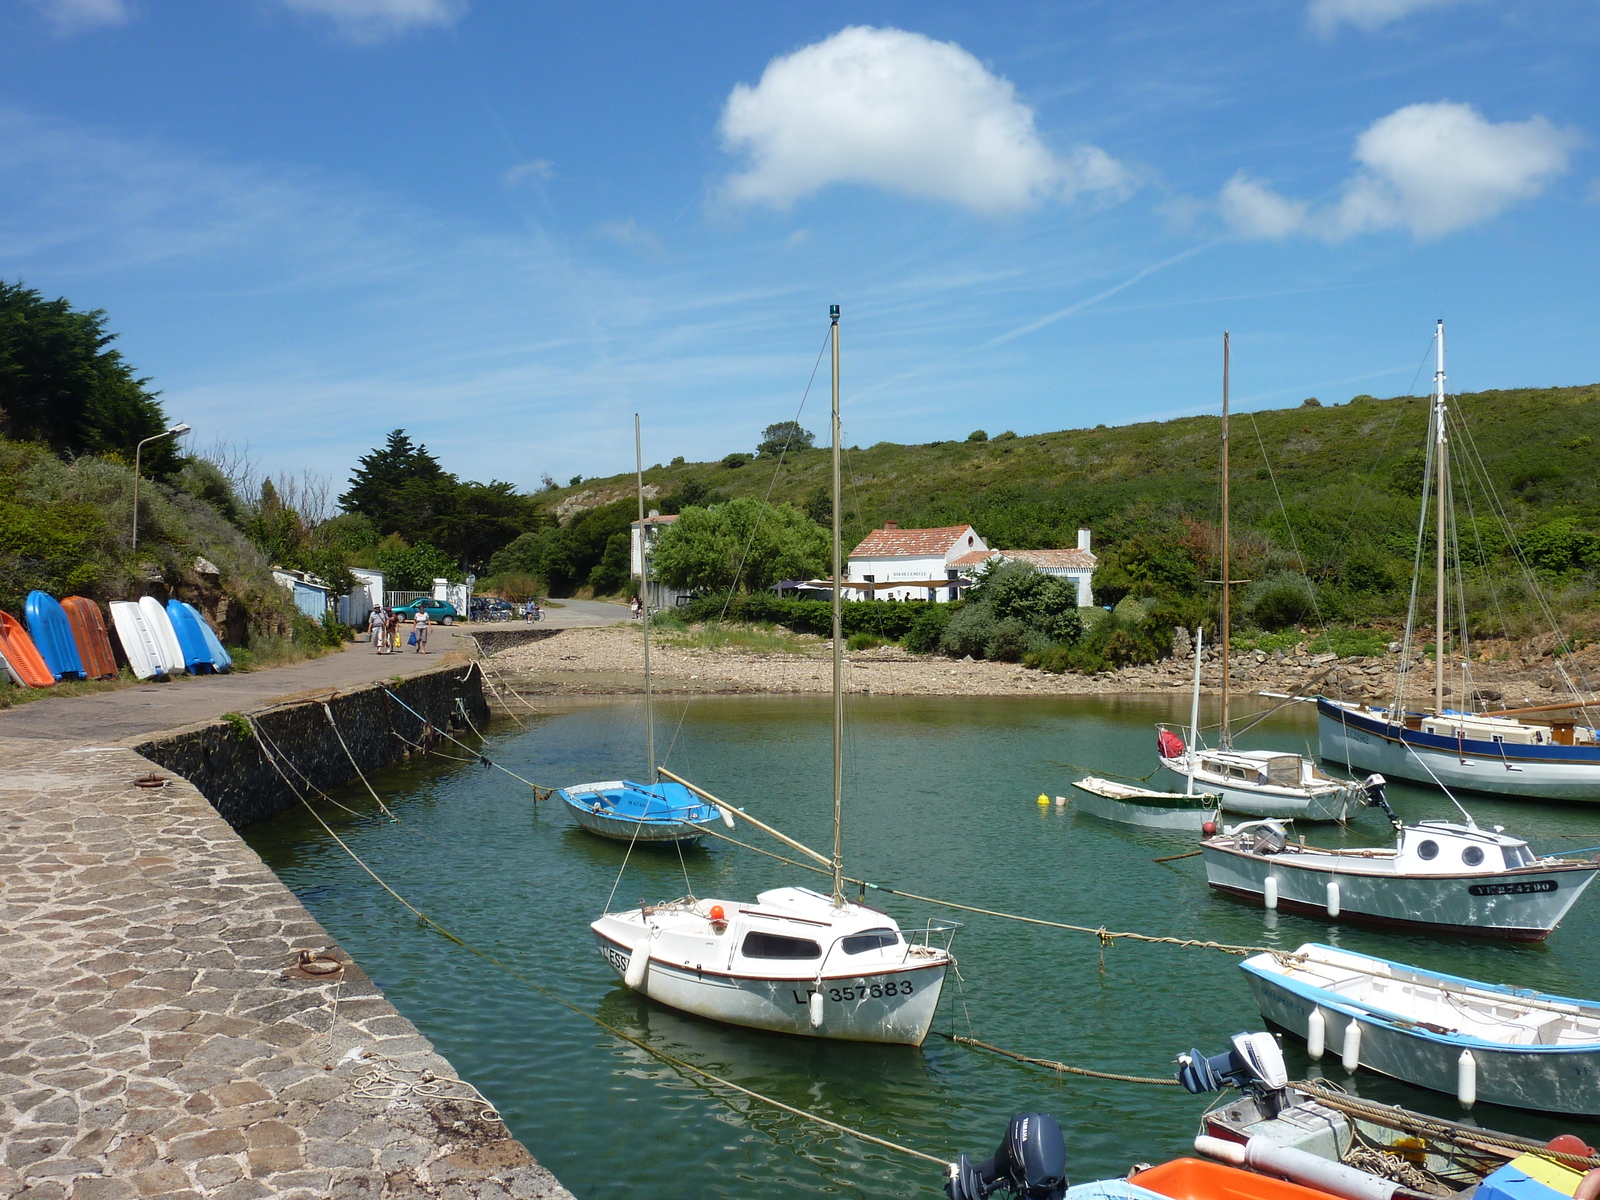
column 227, row 764
column 492, row 641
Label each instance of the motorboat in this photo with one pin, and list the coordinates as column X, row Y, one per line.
column 796, row 960
column 1440, row 875
column 1476, row 1041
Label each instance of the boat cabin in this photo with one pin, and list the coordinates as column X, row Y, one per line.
column 1261, row 768
column 1444, row 848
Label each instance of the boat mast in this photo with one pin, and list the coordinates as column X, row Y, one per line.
column 1442, row 474
column 838, row 645
column 644, row 597
column 1194, row 708
column 1226, row 740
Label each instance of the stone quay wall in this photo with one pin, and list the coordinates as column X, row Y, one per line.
column 492, row 641
column 234, row 771
column 159, row 1035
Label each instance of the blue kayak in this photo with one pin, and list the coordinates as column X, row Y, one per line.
column 187, row 624
column 52, row 634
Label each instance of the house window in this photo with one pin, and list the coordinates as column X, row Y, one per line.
column 772, row 945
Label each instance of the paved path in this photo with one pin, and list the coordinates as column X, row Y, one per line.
column 132, row 712
column 157, row 1038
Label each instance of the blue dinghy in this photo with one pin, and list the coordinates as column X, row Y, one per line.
column 636, row 812
column 52, row 634
column 220, row 658
column 186, row 623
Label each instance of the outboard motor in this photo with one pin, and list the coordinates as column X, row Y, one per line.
column 1031, row 1163
column 1254, row 1066
column 1373, row 786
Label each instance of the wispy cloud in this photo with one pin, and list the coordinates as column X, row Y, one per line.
column 537, row 169
column 1432, row 169
column 366, row 21
column 904, row 113
column 633, row 235
column 79, row 16
column 1327, row 15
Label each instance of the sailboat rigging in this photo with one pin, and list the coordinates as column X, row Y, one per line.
column 1258, row 783
column 657, row 810
column 795, row 960
column 1495, row 752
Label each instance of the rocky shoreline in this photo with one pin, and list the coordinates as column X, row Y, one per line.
column 607, row 661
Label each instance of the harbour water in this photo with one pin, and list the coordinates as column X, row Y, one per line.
column 941, row 800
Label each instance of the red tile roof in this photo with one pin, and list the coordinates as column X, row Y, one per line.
column 1043, row 559
column 909, row 543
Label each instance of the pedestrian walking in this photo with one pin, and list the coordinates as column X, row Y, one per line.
column 421, row 631
column 376, row 624
column 391, row 631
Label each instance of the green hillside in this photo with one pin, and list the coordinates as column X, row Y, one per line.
column 1348, row 476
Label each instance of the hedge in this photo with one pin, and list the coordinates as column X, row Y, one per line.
column 885, row 618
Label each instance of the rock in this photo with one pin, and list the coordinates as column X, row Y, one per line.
column 1483, row 694
column 1182, row 643
column 204, row 566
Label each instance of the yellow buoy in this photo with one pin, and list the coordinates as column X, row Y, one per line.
column 1043, row 799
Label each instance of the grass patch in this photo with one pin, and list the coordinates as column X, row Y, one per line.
column 744, row 639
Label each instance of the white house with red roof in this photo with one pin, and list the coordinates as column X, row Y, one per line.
column 912, row 564
column 1075, row 565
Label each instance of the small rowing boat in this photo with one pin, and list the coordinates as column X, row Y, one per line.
column 634, row 812
column 1476, row 1041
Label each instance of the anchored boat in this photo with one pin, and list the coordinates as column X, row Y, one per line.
column 1476, row 1041
column 1439, row 875
column 796, row 961
column 1496, row 752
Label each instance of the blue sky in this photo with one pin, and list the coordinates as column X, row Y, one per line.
column 508, row 225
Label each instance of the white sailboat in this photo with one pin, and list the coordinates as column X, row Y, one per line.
column 1187, row 811
column 796, row 960
column 1257, row 783
column 1502, row 753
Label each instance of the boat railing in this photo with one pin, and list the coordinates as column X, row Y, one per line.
column 931, row 931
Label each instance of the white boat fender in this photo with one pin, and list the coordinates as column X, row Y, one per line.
column 1351, row 1058
column 727, row 817
column 1467, row 1079
column 638, row 964
column 1270, row 1158
column 1333, row 898
column 815, row 1006
column 1269, row 891
column 1316, row 1034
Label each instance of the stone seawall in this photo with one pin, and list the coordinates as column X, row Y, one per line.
column 492, row 641
column 227, row 764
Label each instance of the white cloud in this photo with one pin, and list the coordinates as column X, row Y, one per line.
column 541, row 169
column 374, row 20
column 75, row 16
column 1327, row 15
column 1432, row 169
column 902, row 112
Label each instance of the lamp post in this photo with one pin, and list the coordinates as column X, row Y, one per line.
column 176, row 431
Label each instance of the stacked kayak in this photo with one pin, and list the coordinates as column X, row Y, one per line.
column 23, row 661
column 89, row 631
column 69, row 639
column 52, row 635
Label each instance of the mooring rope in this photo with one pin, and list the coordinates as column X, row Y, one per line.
column 539, row 793
column 264, row 742
column 355, row 764
column 670, row 1059
column 1058, row 1066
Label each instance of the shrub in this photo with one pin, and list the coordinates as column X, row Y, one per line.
column 334, row 633
column 863, row 641
column 1010, row 641
column 927, row 628
column 971, row 631
column 977, row 435
column 735, row 460
column 1279, row 601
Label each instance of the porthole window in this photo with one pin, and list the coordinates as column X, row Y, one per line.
column 772, row 945
column 872, row 939
column 1428, row 850
column 1472, row 855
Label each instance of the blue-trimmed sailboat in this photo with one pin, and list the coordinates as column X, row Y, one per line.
column 1501, row 753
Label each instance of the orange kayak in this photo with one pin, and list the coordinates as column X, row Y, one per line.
column 22, row 654
column 89, row 631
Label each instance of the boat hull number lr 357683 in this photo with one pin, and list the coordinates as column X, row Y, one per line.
column 874, row 991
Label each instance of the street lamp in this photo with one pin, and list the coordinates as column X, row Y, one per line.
column 177, row 430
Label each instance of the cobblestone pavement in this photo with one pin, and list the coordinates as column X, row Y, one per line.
column 158, row 1039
